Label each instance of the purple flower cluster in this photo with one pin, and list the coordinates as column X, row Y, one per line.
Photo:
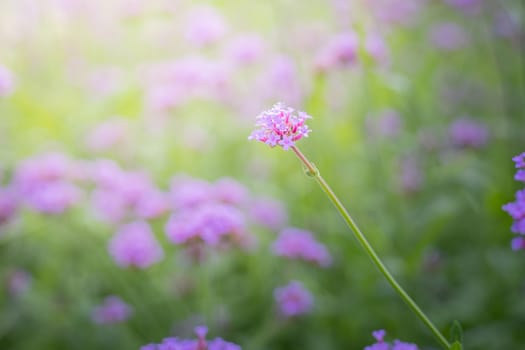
column 18, row 282
column 294, row 243
column 135, row 245
column 45, row 183
column 200, row 343
column 293, row 299
column 280, row 126
column 380, row 344
column 516, row 209
column 112, row 310
column 120, row 195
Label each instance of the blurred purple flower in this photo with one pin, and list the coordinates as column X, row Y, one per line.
column 516, row 209
column 245, row 49
column 293, row 299
column 18, row 282
column 193, row 344
column 448, row 36
column 281, row 126
column 112, row 310
column 518, row 243
column 268, row 212
column 230, row 191
column 135, row 245
column 205, row 25
column 281, row 81
column 466, row 132
column 53, row 197
column 340, row 50
column 120, row 194
column 7, row 81
column 380, row 344
column 519, row 160
column 294, row 243
column 210, row 223
column 43, row 182
column 187, row 192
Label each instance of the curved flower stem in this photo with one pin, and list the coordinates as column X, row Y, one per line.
column 313, row 172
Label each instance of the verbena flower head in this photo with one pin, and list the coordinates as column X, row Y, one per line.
column 174, row 343
column 281, row 126
column 380, row 344
column 211, row 224
column 520, row 161
column 112, row 310
column 300, row 244
column 293, row 299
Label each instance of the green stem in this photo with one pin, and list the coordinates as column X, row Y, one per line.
column 312, row 171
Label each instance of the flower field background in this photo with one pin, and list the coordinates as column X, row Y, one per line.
column 134, row 208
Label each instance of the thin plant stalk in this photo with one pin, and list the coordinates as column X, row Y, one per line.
column 313, row 172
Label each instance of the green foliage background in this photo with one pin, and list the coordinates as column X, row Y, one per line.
column 448, row 243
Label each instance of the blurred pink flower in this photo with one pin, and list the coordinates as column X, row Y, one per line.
column 268, row 212
column 293, row 299
column 341, row 50
column 108, row 134
column 7, row 81
column 245, row 49
column 396, row 12
column 377, row 48
column 112, row 310
column 294, row 243
column 204, row 25
column 281, row 81
column 134, row 245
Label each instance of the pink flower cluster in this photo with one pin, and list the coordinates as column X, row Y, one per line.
column 380, row 344
column 193, row 344
column 294, row 243
column 112, row 310
column 516, row 209
column 280, row 126
column 293, row 299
